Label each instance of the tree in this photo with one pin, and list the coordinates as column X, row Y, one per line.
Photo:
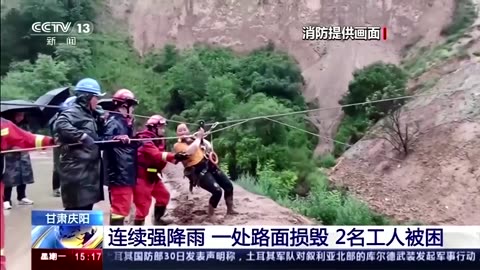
column 378, row 80
column 163, row 60
column 78, row 58
column 399, row 134
column 375, row 111
column 29, row 81
column 13, row 46
column 18, row 44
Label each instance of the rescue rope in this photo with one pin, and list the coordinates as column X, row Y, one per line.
column 272, row 115
column 323, row 137
column 115, row 141
column 236, row 121
column 339, row 107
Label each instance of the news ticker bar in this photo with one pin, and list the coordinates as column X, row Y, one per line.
column 108, row 259
column 288, row 259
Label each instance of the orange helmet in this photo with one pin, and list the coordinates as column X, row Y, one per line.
column 156, row 120
column 124, row 96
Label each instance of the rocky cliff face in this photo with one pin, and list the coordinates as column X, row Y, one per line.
column 244, row 25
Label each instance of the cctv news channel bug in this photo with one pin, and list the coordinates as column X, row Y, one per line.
column 62, row 32
column 366, row 33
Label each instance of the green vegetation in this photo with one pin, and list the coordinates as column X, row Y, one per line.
column 463, row 17
column 212, row 84
column 377, row 81
column 330, row 206
column 18, row 44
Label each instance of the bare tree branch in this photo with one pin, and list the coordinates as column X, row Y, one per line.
column 400, row 135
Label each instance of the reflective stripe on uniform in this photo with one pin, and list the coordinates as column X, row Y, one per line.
column 151, row 170
column 5, row 131
column 38, row 141
column 116, row 216
column 164, row 156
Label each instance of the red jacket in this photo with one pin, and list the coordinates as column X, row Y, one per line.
column 13, row 136
column 152, row 157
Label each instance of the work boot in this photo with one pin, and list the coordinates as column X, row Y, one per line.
column 139, row 222
column 229, row 203
column 211, row 214
column 117, row 221
column 159, row 217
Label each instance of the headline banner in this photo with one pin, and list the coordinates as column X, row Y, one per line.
column 288, row 237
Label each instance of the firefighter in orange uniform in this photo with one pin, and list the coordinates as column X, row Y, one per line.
column 13, row 136
column 152, row 159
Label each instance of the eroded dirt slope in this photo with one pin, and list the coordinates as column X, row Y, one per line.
column 247, row 24
column 439, row 182
column 191, row 209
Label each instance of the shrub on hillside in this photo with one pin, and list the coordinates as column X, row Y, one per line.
column 326, row 161
column 29, row 81
column 374, row 82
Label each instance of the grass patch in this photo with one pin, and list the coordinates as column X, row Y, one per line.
column 326, row 161
column 427, row 58
column 350, row 130
column 326, row 204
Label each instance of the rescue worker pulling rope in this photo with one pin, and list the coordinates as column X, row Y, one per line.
column 56, row 151
column 120, row 158
column 13, row 136
column 79, row 165
column 152, row 159
column 202, row 170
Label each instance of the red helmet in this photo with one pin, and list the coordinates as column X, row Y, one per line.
column 156, row 120
column 125, row 96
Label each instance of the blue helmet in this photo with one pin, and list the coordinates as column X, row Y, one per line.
column 67, row 103
column 89, row 85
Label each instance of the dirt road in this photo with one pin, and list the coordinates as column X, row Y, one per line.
column 185, row 208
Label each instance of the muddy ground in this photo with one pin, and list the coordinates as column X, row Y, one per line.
column 185, row 209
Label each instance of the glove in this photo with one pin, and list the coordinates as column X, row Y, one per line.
column 200, row 133
column 100, row 111
column 87, row 140
column 181, row 156
column 122, row 138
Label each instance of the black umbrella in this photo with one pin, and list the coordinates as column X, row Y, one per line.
column 107, row 104
column 33, row 112
column 18, row 105
column 53, row 97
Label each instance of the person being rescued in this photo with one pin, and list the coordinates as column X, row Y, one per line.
column 202, row 170
column 152, row 159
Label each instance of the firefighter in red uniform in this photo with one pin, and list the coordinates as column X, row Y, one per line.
column 13, row 136
column 152, row 158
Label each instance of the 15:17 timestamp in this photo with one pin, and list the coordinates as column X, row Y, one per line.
column 88, row 256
